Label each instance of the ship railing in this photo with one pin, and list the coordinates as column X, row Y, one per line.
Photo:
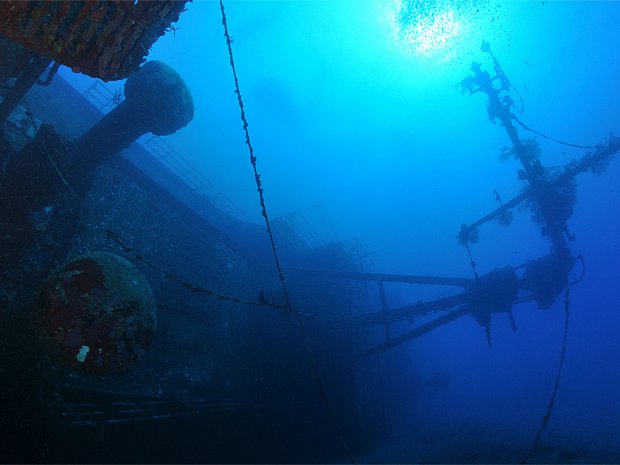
column 175, row 162
column 100, row 95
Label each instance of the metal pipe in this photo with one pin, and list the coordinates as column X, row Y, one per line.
column 420, row 309
column 399, row 278
column 419, row 331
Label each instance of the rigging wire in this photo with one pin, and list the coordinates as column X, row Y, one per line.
column 527, row 128
column 472, row 263
column 545, row 421
column 186, row 284
column 248, row 142
column 259, row 188
column 507, row 86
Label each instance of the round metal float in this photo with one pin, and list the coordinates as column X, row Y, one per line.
column 96, row 313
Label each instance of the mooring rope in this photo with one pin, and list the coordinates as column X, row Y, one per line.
column 556, row 385
column 259, row 188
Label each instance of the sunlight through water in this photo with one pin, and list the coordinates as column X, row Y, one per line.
column 439, row 29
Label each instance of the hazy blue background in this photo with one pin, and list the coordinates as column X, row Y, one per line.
column 342, row 114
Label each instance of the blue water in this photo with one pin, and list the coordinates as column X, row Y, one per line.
column 343, row 114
